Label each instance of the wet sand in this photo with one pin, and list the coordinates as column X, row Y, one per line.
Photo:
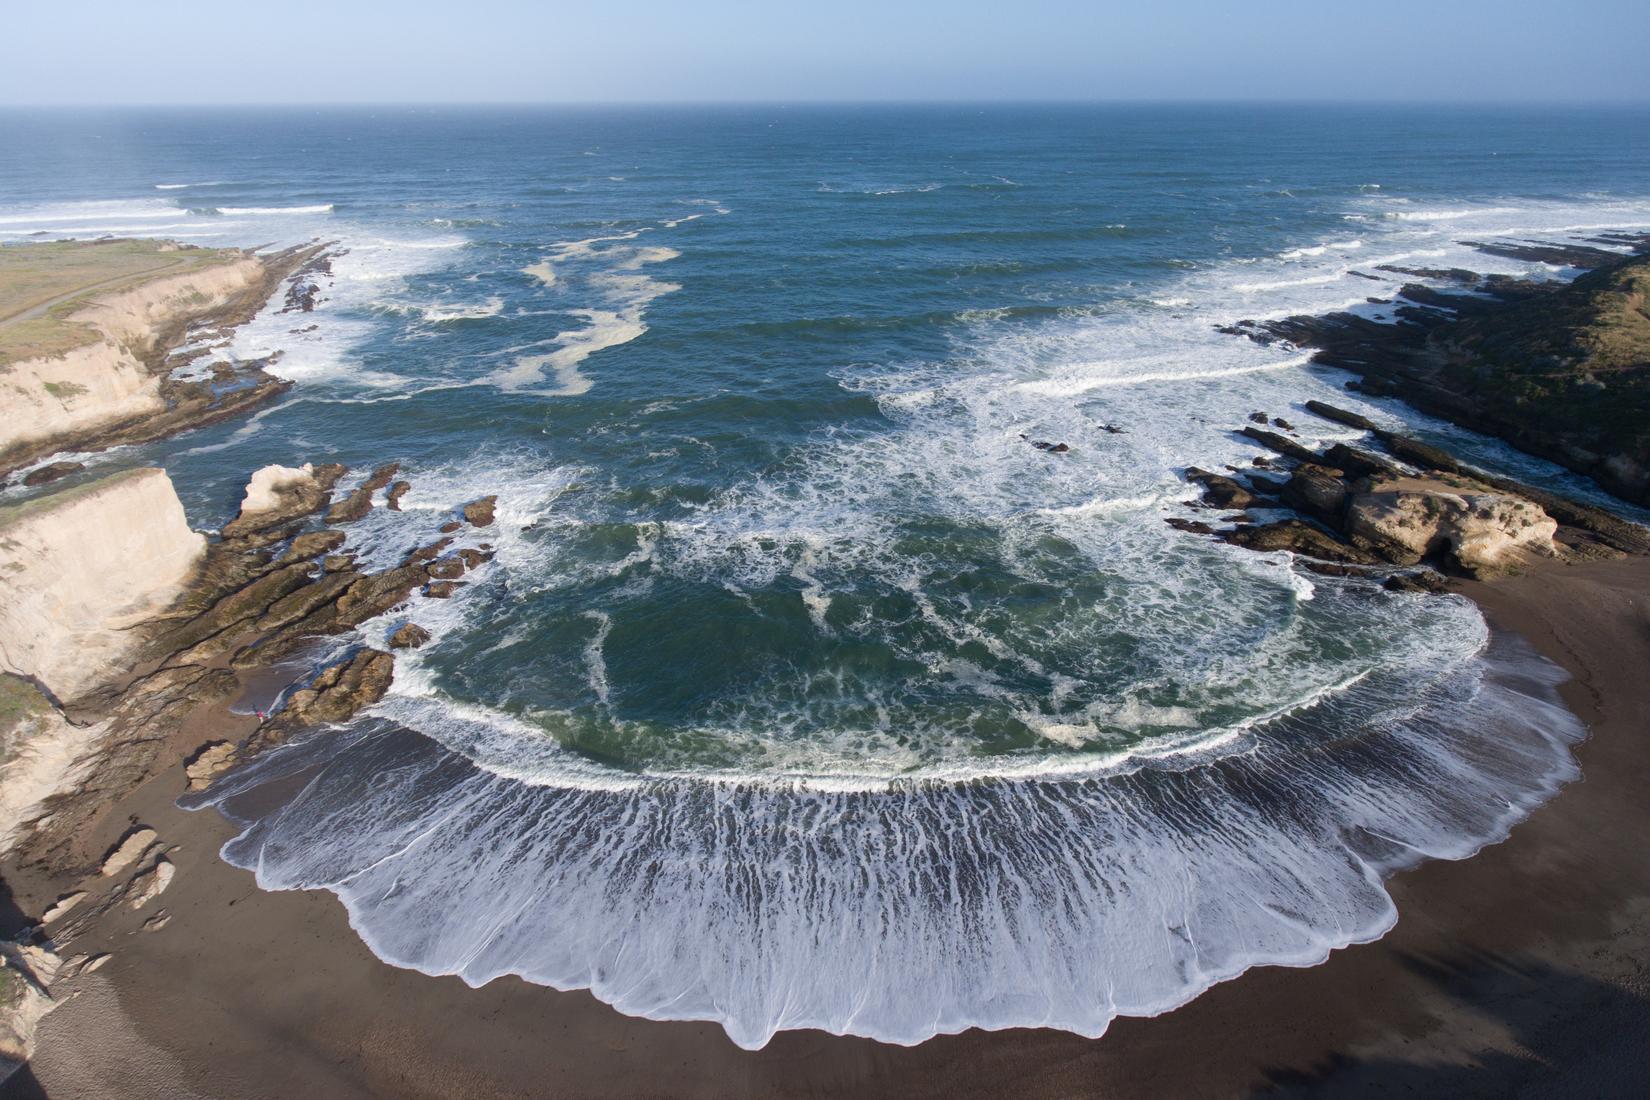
column 1524, row 970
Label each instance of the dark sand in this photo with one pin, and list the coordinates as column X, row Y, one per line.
column 1521, row 971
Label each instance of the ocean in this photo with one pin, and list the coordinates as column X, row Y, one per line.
column 804, row 690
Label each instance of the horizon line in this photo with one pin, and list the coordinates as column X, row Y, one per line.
column 1025, row 101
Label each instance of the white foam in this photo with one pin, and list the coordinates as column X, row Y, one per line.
column 317, row 208
column 922, row 908
column 611, row 276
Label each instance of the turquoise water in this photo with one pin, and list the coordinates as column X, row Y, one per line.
column 804, row 691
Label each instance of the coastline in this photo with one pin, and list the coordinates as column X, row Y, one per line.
column 1524, row 952
column 98, row 365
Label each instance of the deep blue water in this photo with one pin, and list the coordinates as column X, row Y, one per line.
column 756, row 388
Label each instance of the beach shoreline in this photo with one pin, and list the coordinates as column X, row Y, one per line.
column 1504, row 971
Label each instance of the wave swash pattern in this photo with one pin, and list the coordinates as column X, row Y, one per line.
column 803, row 691
column 896, row 882
column 922, row 907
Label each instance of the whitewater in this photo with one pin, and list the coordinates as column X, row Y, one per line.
column 803, row 692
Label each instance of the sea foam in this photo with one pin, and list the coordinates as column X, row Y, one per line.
column 918, row 908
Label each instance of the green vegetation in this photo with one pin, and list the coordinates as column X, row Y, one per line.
column 1573, row 363
column 64, row 390
column 42, row 283
column 19, row 700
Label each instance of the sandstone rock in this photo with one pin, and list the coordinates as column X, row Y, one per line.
column 62, row 906
column 127, row 851
column 351, row 508
column 1190, row 526
column 359, row 502
column 427, row 553
column 441, row 590
column 271, row 486
column 392, row 498
column 311, row 544
column 342, row 689
column 450, row 526
column 1316, row 490
column 1298, row 537
column 1422, row 580
column 409, row 636
column 150, row 884
column 473, row 557
column 1220, row 491
column 1278, row 443
column 1406, row 520
column 447, row 569
column 280, row 494
column 479, row 513
column 211, row 761
column 157, row 922
column 1358, row 463
column 1340, row 416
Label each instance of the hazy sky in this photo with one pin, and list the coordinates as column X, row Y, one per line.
column 194, row 51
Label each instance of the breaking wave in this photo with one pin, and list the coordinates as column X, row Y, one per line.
column 917, row 907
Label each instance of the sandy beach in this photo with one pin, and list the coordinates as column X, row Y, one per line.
column 1520, row 971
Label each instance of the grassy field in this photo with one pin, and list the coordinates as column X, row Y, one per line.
column 42, row 283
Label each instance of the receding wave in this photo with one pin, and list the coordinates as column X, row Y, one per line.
column 919, row 908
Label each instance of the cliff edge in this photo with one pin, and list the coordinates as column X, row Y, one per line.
column 70, row 592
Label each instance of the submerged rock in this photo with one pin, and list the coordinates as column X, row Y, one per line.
column 47, row 474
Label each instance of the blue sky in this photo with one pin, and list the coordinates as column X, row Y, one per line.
column 192, row 51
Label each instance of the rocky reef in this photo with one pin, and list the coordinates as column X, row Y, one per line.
column 1401, row 511
column 110, row 369
column 271, row 601
column 1558, row 369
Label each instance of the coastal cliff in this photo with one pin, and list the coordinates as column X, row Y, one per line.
column 72, row 590
column 88, row 331
column 124, row 654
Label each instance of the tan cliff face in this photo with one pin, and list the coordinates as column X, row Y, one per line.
column 80, row 569
column 108, row 381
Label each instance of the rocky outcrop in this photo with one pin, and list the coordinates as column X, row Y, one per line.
column 409, row 636
column 108, row 379
column 359, row 501
column 70, row 595
column 1559, row 370
column 263, row 596
column 1360, row 512
column 1408, row 520
column 340, row 690
column 278, row 495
